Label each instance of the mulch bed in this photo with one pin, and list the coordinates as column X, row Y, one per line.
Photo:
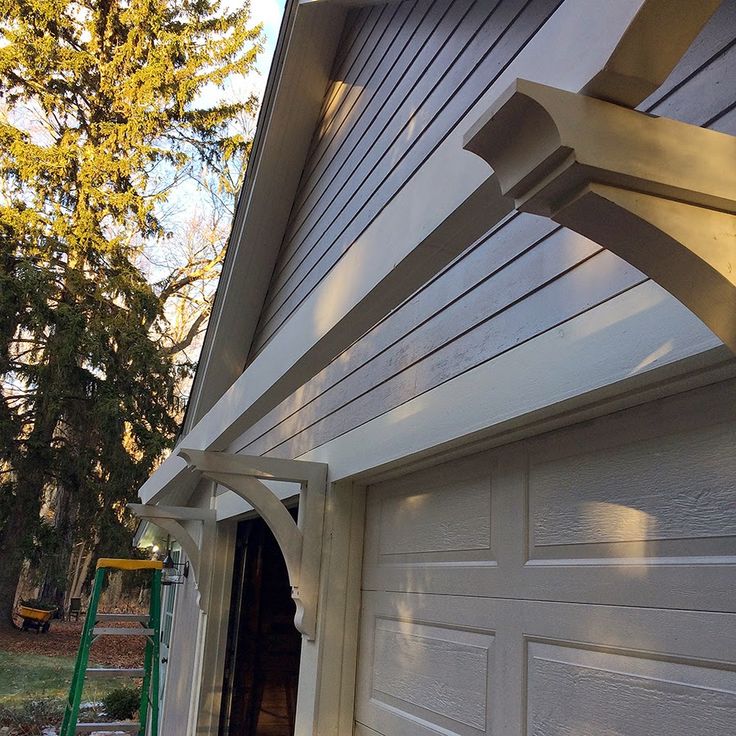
column 63, row 641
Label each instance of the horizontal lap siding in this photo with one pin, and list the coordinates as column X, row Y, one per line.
column 447, row 54
column 525, row 277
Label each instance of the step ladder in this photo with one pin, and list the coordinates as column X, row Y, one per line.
column 148, row 626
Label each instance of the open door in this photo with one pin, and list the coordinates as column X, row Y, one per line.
column 262, row 663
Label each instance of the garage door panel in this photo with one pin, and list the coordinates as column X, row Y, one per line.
column 432, row 673
column 706, row 587
column 553, row 668
column 573, row 691
column 580, row 583
column 409, row 524
column 671, row 496
column 637, row 508
column 421, row 674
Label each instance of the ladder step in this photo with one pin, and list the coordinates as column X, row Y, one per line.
column 136, row 617
column 121, row 631
column 93, row 672
column 128, row 727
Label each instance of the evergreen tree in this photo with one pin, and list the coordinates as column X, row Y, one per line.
column 102, row 114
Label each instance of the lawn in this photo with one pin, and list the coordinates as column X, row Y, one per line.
column 25, row 676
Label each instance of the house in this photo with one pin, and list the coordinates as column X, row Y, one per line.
column 500, row 406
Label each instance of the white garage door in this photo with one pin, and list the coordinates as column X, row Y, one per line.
column 582, row 583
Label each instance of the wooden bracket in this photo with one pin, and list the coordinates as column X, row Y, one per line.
column 659, row 193
column 300, row 543
column 170, row 519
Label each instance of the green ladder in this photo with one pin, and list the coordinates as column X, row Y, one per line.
column 150, row 628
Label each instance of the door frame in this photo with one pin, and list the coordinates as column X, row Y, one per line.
column 326, row 691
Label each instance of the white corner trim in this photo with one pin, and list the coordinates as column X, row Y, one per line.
column 616, row 344
column 413, row 231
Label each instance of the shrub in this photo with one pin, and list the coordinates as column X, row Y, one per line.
column 31, row 718
column 123, row 702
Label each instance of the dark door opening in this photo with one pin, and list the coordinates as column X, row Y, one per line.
column 262, row 659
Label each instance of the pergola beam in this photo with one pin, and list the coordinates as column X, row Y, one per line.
column 656, row 192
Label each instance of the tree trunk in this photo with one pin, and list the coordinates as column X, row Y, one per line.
column 26, row 509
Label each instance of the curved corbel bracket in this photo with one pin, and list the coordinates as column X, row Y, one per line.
column 242, row 474
column 654, row 191
column 658, row 36
column 689, row 250
column 170, row 518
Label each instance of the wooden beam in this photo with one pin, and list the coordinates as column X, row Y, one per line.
column 660, row 33
column 654, row 191
column 300, row 544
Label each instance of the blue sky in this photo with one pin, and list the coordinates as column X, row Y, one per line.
column 268, row 12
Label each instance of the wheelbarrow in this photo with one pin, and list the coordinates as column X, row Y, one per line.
column 35, row 618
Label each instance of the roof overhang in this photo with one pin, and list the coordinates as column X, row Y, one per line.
column 298, row 79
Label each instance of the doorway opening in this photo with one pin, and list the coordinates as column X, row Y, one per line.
column 263, row 648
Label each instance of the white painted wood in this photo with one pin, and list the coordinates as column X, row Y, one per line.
column 419, row 669
column 175, row 712
column 616, row 627
column 614, row 693
column 327, row 667
column 595, row 497
column 628, row 181
column 299, row 544
column 609, row 349
column 415, row 236
column 649, row 569
column 173, row 519
column 668, row 650
column 209, row 693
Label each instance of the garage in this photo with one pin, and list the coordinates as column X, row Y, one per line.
column 576, row 583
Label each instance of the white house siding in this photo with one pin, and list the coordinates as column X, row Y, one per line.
column 409, row 75
column 180, row 673
column 579, row 582
column 525, row 278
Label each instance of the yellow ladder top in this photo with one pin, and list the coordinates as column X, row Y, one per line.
column 110, row 562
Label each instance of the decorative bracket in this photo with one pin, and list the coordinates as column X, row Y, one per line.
column 300, row 543
column 170, row 519
column 659, row 193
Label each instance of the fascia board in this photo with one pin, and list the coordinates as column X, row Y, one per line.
column 293, row 99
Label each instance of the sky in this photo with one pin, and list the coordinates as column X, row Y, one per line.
column 268, row 12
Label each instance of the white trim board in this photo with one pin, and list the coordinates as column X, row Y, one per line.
column 412, row 234
column 625, row 338
column 625, row 347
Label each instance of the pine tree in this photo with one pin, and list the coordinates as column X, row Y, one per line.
column 102, row 114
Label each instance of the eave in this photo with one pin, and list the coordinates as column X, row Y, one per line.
column 298, row 78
